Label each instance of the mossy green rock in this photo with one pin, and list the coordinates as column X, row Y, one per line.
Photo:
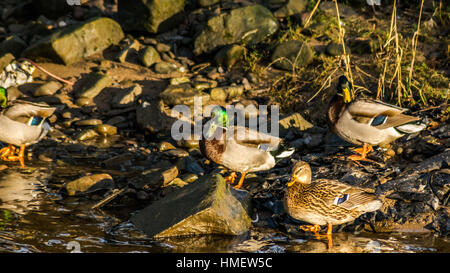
column 153, row 16
column 292, row 52
column 206, row 206
column 248, row 25
column 77, row 42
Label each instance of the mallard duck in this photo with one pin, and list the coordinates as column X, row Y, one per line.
column 367, row 122
column 238, row 148
column 22, row 123
column 323, row 201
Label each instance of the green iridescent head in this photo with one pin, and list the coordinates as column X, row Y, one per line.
column 219, row 118
column 3, row 97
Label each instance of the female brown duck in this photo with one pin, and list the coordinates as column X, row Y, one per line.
column 325, row 202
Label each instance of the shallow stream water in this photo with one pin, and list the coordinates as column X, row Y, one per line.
column 35, row 217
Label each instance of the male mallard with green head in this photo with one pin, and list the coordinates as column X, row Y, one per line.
column 367, row 122
column 22, row 123
column 323, row 201
column 252, row 151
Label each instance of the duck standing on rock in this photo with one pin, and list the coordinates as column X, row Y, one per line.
column 22, row 123
column 256, row 152
column 367, row 122
column 325, row 202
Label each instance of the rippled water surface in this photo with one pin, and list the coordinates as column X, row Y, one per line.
column 35, row 217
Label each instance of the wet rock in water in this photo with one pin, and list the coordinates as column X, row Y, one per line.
column 87, row 134
column 116, row 162
column 77, row 42
column 228, row 56
column 106, row 130
column 95, row 83
column 177, row 152
column 329, row 8
column 183, row 94
column 296, row 52
column 13, row 44
column 335, row 49
column 188, row 164
column 291, row 8
column 88, row 122
column 226, row 92
column 295, row 121
column 178, row 182
column 165, row 146
column 248, row 25
column 188, row 143
column 204, row 207
column 127, row 97
column 154, row 178
column 48, row 89
column 150, row 15
column 190, row 177
column 89, row 184
column 149, row 56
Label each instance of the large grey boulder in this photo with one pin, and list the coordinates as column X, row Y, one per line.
column 248, row 25
column 77, row 42
column 153, row 16
column 206, row 206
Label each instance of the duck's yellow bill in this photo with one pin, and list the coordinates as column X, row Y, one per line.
column 292, row 181
column 347, row 95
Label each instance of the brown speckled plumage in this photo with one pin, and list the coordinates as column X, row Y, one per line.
column 315, row 202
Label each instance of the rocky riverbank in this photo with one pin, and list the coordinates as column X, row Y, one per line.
column 126, row 64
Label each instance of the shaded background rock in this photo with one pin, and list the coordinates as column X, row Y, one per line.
column 291, row 54
column 77, row 42
column 154, row 16
column 249, row 25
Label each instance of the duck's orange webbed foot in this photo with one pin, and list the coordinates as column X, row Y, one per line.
column 7, row 151
column 230, row 179
column 19, row 157
column 311, row 228
column 362, row 153
column 241, row 181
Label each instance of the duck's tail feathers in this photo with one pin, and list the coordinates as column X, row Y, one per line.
column 412, row 127
column 282, row 151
